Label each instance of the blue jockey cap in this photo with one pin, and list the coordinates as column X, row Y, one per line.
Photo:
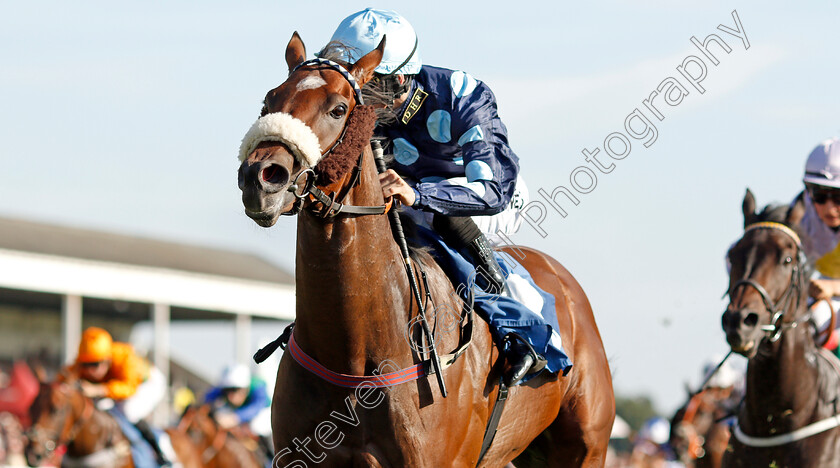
column 361, row 32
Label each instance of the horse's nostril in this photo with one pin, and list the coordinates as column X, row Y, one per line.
column 275, row 174
column 751, row 319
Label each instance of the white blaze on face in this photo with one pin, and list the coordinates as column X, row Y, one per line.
column 310, row 82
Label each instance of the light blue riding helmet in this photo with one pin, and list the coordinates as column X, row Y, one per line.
column 361, row 32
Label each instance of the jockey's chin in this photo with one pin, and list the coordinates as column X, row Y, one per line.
column 94, row 372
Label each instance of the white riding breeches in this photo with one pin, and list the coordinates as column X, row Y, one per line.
column 146, row 398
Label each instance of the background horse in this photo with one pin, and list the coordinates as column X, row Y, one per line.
column 791, row 383
column 63, row 416
column 699, row 435
column 354, row 308
column 220, row 448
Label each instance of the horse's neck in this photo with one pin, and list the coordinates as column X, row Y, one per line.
column 781, row 383
column 351, row 287
column 94, row 431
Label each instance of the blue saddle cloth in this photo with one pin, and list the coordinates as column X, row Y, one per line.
column 503, row 313
column 141, row 452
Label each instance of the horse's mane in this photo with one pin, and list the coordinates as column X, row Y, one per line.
column 777, row 213
column 344, row 157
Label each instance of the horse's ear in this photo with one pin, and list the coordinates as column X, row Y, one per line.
column 748, row 208
column 363, row 69
column 295, row 52
column 796, row 212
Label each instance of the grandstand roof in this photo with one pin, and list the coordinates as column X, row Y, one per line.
column 87, row 244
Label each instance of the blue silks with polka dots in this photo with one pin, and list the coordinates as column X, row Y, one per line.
column 454, row 149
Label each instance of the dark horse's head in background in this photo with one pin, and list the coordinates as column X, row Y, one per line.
column 768, row 257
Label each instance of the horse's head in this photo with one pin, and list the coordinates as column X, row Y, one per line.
column 52, row 421
column 197, row 421
column 767, row 277
column 301, row 121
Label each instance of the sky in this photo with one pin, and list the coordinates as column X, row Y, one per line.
column 127, row 117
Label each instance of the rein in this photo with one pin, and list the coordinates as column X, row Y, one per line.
column 216, row 446
column 799, row 434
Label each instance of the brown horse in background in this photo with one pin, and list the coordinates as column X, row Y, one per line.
column 699, row 435
column 220, row 448
column 63, row 416
column 354, row 307
column 791, row 383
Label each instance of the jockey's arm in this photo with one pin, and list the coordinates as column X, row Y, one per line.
column 126, row 374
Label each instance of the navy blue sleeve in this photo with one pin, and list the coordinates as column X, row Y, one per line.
column 490, row 166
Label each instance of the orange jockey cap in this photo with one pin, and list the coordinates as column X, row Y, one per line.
column 95, row 346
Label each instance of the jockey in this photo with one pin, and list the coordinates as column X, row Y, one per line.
column 820, row 226
column 726, row 382
column 241, row 399
column 454, row 170
column 109, row 369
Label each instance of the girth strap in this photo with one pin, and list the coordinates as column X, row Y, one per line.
column 286, row 339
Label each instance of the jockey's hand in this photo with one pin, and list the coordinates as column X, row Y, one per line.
column 93, row 390
column 227, row 419
column 394, row 185
column 824, row 288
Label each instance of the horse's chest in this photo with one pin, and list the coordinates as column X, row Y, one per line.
column 369, row 430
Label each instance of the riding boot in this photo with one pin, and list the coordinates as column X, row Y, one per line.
column 522, row 358
column 463, row 235
column 149, row 436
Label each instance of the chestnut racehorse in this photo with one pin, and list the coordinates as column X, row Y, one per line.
column 220, row 448
column 699, row 434
column 788, row 418
column 354, row 306
column 63, row 416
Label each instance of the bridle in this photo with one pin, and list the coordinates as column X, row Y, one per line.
column 332, row 204
column 303, row 187
column 792, row 293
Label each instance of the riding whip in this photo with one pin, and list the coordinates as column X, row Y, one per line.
column 399, row 236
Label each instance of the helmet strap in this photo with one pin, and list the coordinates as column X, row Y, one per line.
column 416, row 40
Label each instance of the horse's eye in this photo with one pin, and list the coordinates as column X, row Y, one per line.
column 787, row 260
column 338, row 111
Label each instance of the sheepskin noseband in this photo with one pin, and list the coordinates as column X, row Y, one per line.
column 282, row 127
